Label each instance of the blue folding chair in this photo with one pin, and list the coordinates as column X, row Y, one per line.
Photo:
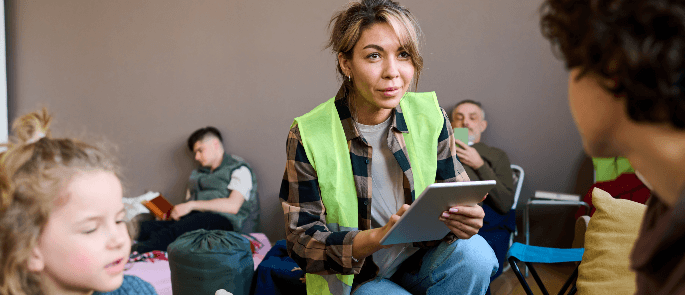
column 533, row 254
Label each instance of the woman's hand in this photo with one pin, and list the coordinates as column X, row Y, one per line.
column 391, row 222
column 464, row 221
column 368, row 241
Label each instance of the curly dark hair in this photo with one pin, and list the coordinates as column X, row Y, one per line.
column 640, row 45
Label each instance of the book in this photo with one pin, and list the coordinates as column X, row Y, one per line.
column 159, row 206
column 134, row 206
column 556, row 196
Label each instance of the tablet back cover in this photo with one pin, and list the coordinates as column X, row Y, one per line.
column 421, row 221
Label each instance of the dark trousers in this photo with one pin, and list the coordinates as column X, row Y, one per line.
column 157, row 235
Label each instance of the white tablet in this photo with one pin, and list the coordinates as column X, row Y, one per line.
column 421, row 221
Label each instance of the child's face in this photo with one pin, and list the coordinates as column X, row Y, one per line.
column 85, row 243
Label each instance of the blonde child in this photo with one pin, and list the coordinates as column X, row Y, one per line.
column 61, row 216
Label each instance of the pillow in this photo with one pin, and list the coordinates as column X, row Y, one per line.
column 611, row 234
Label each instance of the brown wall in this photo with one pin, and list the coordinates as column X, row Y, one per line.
column 145, row 74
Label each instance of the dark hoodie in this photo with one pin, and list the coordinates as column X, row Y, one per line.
column 659, row 253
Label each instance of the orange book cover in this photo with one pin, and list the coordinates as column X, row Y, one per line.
column 159, row 206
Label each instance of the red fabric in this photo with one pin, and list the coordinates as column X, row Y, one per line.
column 627, row 186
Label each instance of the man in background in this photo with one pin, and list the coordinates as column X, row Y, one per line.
column 222, row 194
column 483, row 162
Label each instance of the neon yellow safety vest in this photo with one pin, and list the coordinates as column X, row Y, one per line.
column 324, row 142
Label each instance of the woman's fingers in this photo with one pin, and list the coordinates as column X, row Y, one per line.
column 391, row 222
column 461, row 231
column 469, row 211
column 475, row 223
column 403, row 209
column 462, row 228
column 396, row 217
column 463, row 221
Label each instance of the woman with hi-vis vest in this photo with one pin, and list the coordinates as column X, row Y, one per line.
column 356, row 162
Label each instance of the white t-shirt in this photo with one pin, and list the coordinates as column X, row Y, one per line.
column 387, row 193
column 241, row 181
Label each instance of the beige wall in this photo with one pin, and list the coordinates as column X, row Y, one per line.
column 145, row 74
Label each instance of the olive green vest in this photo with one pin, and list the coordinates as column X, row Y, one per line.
column 214, row 186
column 324, row 142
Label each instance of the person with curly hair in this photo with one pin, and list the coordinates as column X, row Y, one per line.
column 626, row 61
column 62, row 228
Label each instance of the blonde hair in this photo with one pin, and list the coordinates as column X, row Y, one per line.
column 33, row 173
column 349, row 24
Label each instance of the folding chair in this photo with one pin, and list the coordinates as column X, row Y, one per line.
column 600, row 242
column 533, row 254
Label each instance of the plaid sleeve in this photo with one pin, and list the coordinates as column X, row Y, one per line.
column 309, row 241
column 449, row 168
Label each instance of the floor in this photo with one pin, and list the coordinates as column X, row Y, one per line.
column 552, row 275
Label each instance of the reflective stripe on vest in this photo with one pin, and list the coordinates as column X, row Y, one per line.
column 326, row 147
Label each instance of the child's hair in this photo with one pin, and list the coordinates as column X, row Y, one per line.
column 33, row 174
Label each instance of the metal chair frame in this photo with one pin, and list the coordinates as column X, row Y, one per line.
column 526, row 215
column 517, row 193
column 570, row 282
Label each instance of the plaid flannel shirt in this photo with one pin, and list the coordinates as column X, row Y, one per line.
column 309, row 242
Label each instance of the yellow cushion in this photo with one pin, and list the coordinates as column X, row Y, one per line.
column 610, row 236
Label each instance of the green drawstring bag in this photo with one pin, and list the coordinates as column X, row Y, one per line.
column 203, row 261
